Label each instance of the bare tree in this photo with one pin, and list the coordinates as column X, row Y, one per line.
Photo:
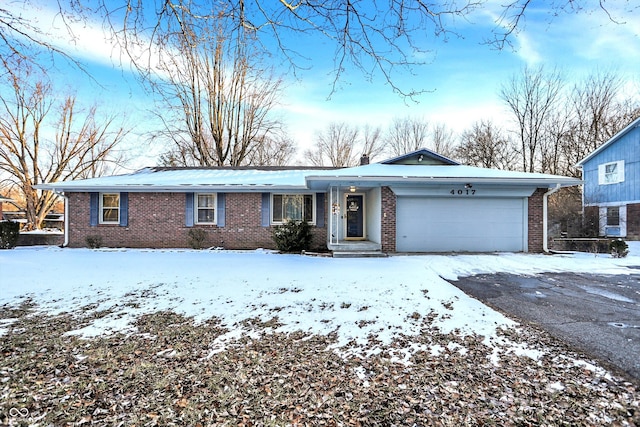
column 552, row 140
column 599, row 110
column 407, row 134
column 379, row 38
column 335, row 146
column 513, row 14
column 220, row 100
column 373, row 144
column 24, row 40
column 442, row 140
column 484, row 145
column 277, row 150
column 532, row 97
column 81, row 147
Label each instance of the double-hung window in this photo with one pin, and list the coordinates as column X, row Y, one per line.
column 205, row 209
column 109, row 208
column 613, row 216
column 293, row 207
column 611, row 173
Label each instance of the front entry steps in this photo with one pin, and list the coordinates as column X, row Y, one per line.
column 359, row 254
column 356, row 249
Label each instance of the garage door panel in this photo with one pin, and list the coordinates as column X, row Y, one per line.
column 474, row 225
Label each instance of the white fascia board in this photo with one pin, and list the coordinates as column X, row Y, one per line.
column 186, row 188
column 536, row 181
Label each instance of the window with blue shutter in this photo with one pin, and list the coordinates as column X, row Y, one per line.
column 188, row 220
column 319, row 209
column 221, row 209
column 94, row 205
column 124, row 209
column 266, row 209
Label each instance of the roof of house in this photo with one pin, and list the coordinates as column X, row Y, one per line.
column 634, row 124
column 191, row 179
column 254, row 179
column 411, row 174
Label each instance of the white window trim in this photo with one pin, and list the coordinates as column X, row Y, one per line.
column 101, row 209
column 196, row 208
column 622, row 216
column 602, row 175
column 313, row 207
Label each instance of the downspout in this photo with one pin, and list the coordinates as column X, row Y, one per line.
column 66, row 217
column 545, row 232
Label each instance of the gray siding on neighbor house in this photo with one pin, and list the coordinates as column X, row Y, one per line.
column 626, row 148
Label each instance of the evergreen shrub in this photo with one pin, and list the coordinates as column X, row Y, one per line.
column 94, row 242
column 9, row 233
column 292, row 236
column 196, row 238
column 619, row 248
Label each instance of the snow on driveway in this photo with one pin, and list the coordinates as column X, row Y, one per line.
column 353, row 298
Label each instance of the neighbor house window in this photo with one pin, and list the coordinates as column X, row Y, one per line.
column 611, row 173
column 205, row 209
column 292, row 207
column 109, row 208
column 613, row 215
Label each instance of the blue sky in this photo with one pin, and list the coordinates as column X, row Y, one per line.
column 462, row 78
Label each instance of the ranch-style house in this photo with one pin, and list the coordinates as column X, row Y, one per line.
column 416, row 203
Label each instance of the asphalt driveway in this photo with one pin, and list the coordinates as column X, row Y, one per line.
column 597, row 314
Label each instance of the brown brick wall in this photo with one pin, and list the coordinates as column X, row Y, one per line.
column 388, row 220
column 536, row 221
column 157, row 220
column 633, row 221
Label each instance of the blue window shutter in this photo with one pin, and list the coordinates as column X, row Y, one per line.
column 221, row 209
column 188, row 220
column 319, row 209
column 93, row 209
column 124, row 209
column 266, row 209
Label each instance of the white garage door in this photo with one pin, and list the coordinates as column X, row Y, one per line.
column 462, row 225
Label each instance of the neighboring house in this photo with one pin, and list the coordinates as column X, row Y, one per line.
column 419, row 202
column 611, row 176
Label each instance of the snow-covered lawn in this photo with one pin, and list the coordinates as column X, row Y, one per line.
column 355, row 298
column 181, row 337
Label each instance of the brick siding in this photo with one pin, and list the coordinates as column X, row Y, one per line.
column 157, row 220
column 388, row 220
column 536, row 221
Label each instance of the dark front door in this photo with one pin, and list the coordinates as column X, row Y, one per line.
column 355, row 216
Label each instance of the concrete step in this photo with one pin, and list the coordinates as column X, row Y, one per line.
column 357, row 246
column 359, row 254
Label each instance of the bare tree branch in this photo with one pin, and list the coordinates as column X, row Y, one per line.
column 81, row 147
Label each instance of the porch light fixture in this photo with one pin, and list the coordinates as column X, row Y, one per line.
column 352, row 189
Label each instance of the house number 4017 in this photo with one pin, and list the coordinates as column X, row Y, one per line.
column 465, row 192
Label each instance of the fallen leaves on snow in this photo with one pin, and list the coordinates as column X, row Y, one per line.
column 167, row 374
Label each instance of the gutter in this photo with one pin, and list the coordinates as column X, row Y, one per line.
column 65, row 243
column 545, row 231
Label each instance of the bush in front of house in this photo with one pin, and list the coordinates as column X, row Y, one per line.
column 196, row 238
column 9, row 233
column 94, row 242
column 618, row 248
column 292, row 236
